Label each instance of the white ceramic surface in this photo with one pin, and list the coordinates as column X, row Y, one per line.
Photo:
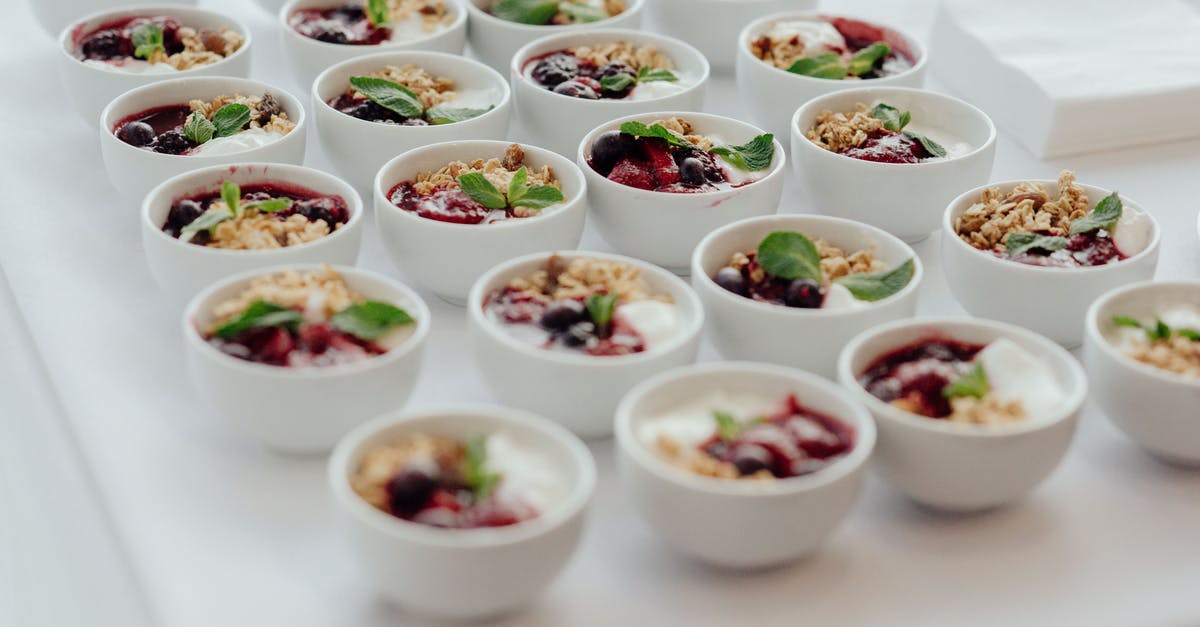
column 304, row 410
column 740, row 523
column 904, row 199
column 182, row 269
column 448, row 258
column 358, row 148
column 1155, row 408
column 495, row 41
column 585, row 389
column 809, row 339
column 308, row 57
column 771, row 95
column 135, row 171
column 54, row 15
column 560, row 122
column 91, row 88
column 1050, row 301
column 271, row 6
column 955, row 466
column 463, row 574
column 713, row 26
column 664, row 228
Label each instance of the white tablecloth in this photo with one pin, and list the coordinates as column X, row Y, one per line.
column 217, row 531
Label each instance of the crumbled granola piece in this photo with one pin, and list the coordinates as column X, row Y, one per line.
column 200, row 48
column 258, row 231
column 430, row 90
column 836, row 132
column 498, row 172
column 1028, row 208
column 320, row 291
column 988, row 410
column 433, row 12
column 835, row 262
column 1176, row 354
column 684, row 127
column 584, row 277
column 260, row 106
column 635, row 56
column 380, row 464
column 781, row 53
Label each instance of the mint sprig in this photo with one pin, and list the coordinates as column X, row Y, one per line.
column 864, row 60
column 198, row 128
column 1158, row 331
column 641, row 129
column 147, row 38
column 1020, row 243
column 752, row 156
column 369, row 320
column 206, row 222
column 895, row 120
column 533, row 12
column 1103, row 216
column 582, row 13
column 973, row 383
column 790, row 255
column 520, row 193
column 228, row 120
column 481, row 190
column 873, row 286
column 378, row 13
column 389, row 95
column 260, row 314
column 478, row 478
column 828, row 65
column 728, row 427
column 621, row 81
column 441, row 114
column 601, row 308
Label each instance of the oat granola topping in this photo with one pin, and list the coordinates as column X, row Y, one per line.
column 321, row 291
column 635, row 56
column 498, row 172
column 257, row 231
column 1176, row 354
column 381, row 464
column 200, row 48
column 684, row 127
column 430, row 90
column 433, row 12
column 583, row 277
column 835, row 262
column 836, row 131
column 1028, row 208
column 265, row 111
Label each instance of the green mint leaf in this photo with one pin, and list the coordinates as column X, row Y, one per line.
column 864, row 60
column 440, row 114
column 728, row 427
column 929, row 145
column 873, row 286
column 517, row 187
column 974, row 383
column 206, row 222
column 582, row 13
column 378, row 13
column 146, row 39
column 640, row 129
column 617, row 82
column 753, row 156
column 478, row 478
column 198, row 129
column 1160, row 331
column 601, row 307
column 893, row 119
column 389, row 95
column 1190, row 334
column 1103, row 216
column 535, row 12
column 231, row 195
column 229, row 119
column 1020, row 243
column 828, row 65
column 481, row 190
column 790, row 255
column 261, row 314
column 648, row 75
column 269, row 206
column 538, row 197
column 1127, row 321
column 370, row 319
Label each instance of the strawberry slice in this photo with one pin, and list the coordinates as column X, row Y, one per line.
column 662, row 164
column 632, row 173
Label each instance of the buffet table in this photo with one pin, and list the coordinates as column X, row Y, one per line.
column 162, row 515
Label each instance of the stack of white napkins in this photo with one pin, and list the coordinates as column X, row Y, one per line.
column 1074, row 76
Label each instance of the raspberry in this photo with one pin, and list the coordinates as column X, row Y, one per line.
column 632, row 173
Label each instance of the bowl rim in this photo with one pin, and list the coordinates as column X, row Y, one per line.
column 324, row 108
column 960, row 204
column 800, row 138
column 66, row 36
column 634, row 8
column 523, row 56
column 475, row 302
column 1071, row 406
column 289, row 173
column 292, row 102
column 778, row 160
column 743, row 41
column 859, row 455
column 285, row 11
column 346, row 453
column 412, row 344
column 716, row 235
column 566, row 207
column 1093, row 333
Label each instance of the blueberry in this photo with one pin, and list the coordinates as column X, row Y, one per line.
column 172, row 143
column 106, row 44
column 409, row 492
column 328, row 31
column 805, row 293
column 576, row 89
column 136, row 134
column 561, row 314
column 372, row 112
column 579, row 334
column 326, row 209
column 609, row 148
column 691, row 172
column 182, row 214
column 732, row 280
column 751, row 458
column 556, row 68
column 613, row 68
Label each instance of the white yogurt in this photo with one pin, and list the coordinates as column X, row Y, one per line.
column 1015, row 374
column 240, row 142
column 529, row 476
column 692, row 423
column 1132, row 231
column 819, row 37
column 657, row 322
column 413, row 28
column 1175, row 317
column 132, row 66
column 660, row 89
column 954, row 145
column 474, row 99
column 838, row 297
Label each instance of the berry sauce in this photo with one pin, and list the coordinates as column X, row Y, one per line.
column 309, row 345
column 1083, row 250
column 795, row 441
column 447, row 205
column 798, row 293
column 369, row 111
column 916, row 374
column 562, row 324
column 564, row 73
column 347, row 25
column 306, row 202
column 113, row 41
column 651, row 163
column 159, row 129
column 860, row 35
column 884, row 146
column 447, row 502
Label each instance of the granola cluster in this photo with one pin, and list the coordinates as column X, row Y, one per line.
column 780, row 52
column 633, row 55
column 683, row 127
column 838, row 131
column 699, row 462
column 321, row 291
column 498, row 172
column 835, row 262
column 257, row 231
column 433, row 12
column 1176, row 354
column 200, row 47
column 1028, row 208
column 381, row 464
column 584, row 277
column 430, row 90
column 266, row 112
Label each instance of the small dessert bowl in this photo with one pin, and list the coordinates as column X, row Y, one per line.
column 135, row 171
column 495, row 40
column 358, row 148
column 807, row 338
column 904, row 199
column 1153, row 405
column 305, row 409
column 1052, row 301
column 55, row 16
column 91, row 85
column 559, row 122
column 714, row 25
column 758, row 519
column 575, row 388
column 772, row 93
column 308, row 57
column 182, row 268
column 448, row 257
column 961, row 466
column 663, row 227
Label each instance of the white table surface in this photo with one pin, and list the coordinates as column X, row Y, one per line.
column 126, row 501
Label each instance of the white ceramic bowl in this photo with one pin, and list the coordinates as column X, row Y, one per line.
column 309, row 57
column 304, row 410
column 664, row 228
column 771, row 95
column 748, row 523
column 91, row 88
column 713, row 25
column 135, row 171
column 1156, row 408
column 560, row 122
column 904, row 199
column 56, row 15
column 1050, row 301
column 578, row 391
column 182, row 269
column 495, row 41
column 358, row 148
column 463, row 574
column 956, row 466
column 809, row 339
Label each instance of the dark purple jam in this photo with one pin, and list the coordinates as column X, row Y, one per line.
column 754, row 283
column 309, row 344
column 113, row 41
column 1084, row 250
column 564, row 73
column 884, row 146
column 305, row 202
column 651, row 163
column 795, row 441
column 914, row 376
column 346, row 25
